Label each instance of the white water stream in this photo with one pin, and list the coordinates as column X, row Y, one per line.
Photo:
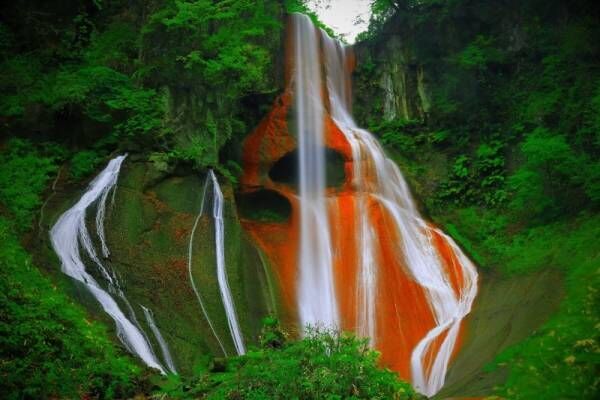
column 232, row 321
column 317, row 303
column 70, row 234
column 164, row 348
column 225, row 291
column 375, row 179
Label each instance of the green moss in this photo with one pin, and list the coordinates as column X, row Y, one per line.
column 181, row 194
column 148, row 242
column 506, row 311
column 148, row 233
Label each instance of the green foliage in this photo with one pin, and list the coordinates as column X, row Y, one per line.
column 211, row 55
column 408, row 136
column 227, row 54
column 271, row 334
column 142, row 76
column 593, row 118
column 83, row 163
column 25, row 170
column 561, row 359
column 477, row 179
column 20, row 77
column 382, row 11
column 230, row 170
column 481, row 232
column 479, row 54
column 398, row 133
column 146, row 109
column 113, row 47
column 322, row 365
column 48, row 348
column 497, row 82
column 98, row 91
column 551, row 177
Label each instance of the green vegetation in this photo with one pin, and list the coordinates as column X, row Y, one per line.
column 48, row 347
column 24, row 173
column 561, row 359
column 221, row 52
column 84, row 162
column 322, row 365
column 169, row 77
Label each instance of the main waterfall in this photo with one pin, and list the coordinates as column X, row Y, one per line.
column 316, row 298
column 355, row 255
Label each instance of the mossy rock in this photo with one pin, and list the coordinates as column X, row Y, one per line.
column 148, row 230
column 506, row 311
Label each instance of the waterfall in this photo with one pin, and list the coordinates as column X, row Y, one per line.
column 159, row 338
column 70, row 234
column 194, row 287
column 226, row 296
column 228, row 303
column 378, row 179
column 316, row 293
column 339, row 100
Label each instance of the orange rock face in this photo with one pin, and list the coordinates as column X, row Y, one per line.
column 404, row 315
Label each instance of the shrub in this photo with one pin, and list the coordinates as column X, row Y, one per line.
column 322, row 365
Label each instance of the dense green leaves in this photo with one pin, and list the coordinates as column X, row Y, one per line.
column 553, row 177
column 163, row 76
column 210, row 55
column 218, row 42
column 323, row 365
column 24, row 173
column 479, row 54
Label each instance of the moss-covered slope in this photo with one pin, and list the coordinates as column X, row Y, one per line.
column 148, row 229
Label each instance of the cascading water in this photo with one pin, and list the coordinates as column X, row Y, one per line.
column 191, row 276
column 316, row 293
column 164, row 348
column 366, row 260
column 70, row 233
column 226, row 297
column 339, row 100
column 378, row 177
column 228, row 303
